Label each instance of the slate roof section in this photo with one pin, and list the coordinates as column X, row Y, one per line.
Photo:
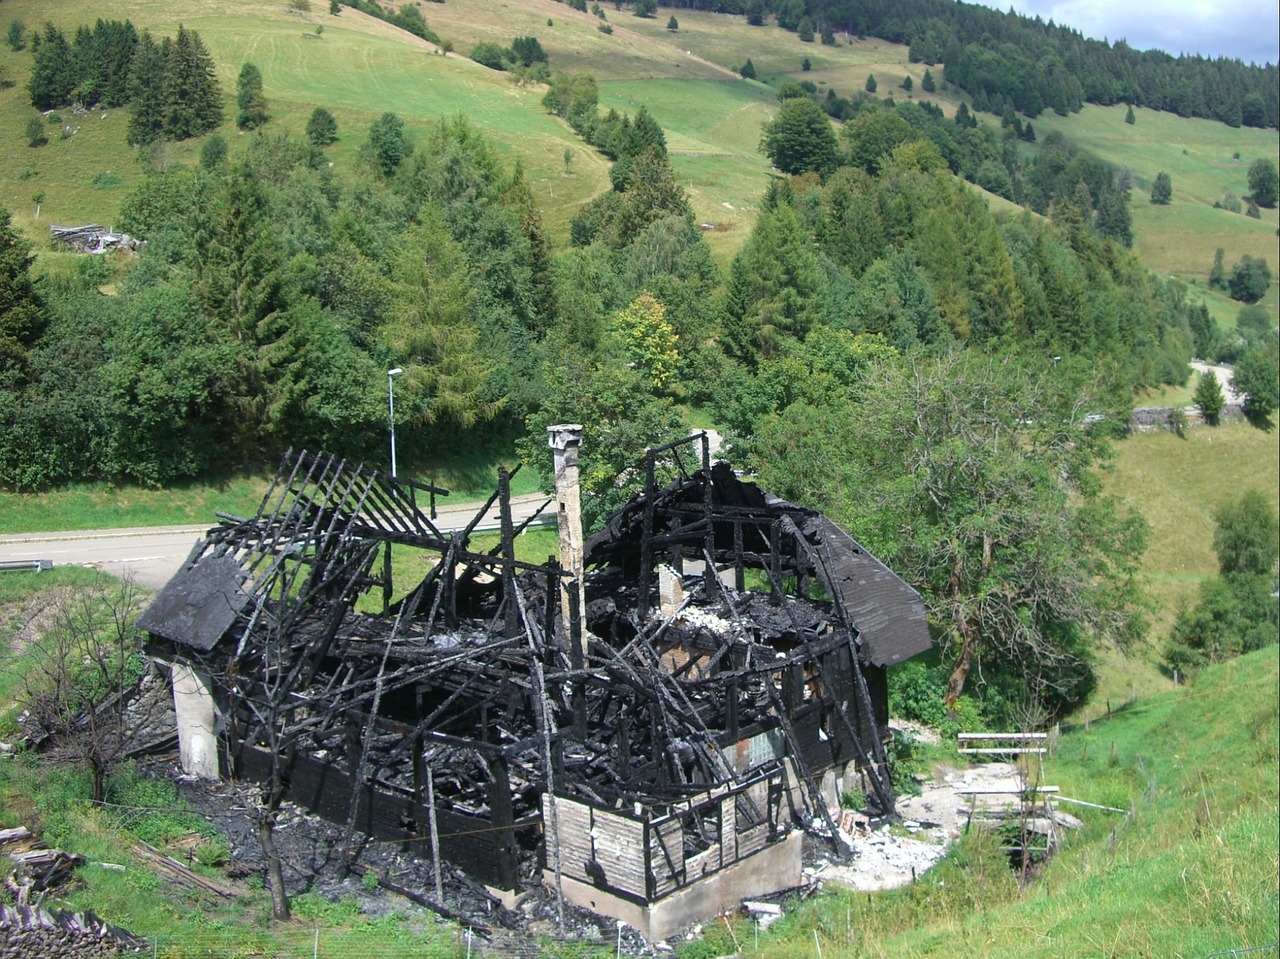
column 199, row 604
column 889, row 614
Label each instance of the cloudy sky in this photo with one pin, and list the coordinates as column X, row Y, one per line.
column 1248, row 29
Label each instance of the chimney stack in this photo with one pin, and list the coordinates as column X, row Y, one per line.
column 564, row 441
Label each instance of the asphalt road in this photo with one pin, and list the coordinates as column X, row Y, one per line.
column 153, row 554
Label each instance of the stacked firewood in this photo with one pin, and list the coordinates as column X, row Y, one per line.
column 27, row 932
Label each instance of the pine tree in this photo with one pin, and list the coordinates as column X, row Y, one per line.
column 673, row 24
column 253, row 105
column 870, row 85
column 1129, row 117
column 928, row 85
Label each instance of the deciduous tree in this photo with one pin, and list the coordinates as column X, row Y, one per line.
column 322, row 128
column 800, row 139
column 1249, row 279
column 1257, row 376
column 972, row 479
column 1263, row 182
column 1161, row 189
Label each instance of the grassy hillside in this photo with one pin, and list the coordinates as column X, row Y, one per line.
column 360, row 67
column 1204, row 160
column 1177, row 484
column 1192, row 872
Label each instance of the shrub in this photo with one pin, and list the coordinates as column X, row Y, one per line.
column 35, row 132
column 491, row 55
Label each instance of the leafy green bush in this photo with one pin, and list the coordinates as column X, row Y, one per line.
column 853, row 799
column 905, row 762
column 150, row 808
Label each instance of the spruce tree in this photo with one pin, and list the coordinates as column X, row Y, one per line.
column 1218, row 272
column 1129, row 117
column 870, row 85
column 192, row 97
column 52, row 72
column 22, row 313
column 146, row 92
column 928, row 85
column 1208, row 396
column 253, row 105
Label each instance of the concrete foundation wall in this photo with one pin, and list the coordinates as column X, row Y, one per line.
column 774, row 867
column 193, row 704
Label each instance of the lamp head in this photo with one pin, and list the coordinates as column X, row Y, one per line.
column 396, row 372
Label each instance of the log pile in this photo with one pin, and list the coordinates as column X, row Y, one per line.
column 27, row 932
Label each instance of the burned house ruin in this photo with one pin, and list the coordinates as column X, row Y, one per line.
column 638, row 723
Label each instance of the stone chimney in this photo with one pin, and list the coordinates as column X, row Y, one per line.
column 564, row 441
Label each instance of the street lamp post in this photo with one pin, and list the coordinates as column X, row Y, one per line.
column 391, row 410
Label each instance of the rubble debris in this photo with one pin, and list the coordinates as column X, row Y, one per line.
column 92, row 238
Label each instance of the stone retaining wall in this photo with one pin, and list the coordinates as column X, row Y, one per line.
column 1157, row 417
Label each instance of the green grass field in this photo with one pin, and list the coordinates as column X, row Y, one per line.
column 358, row 69
column 1192, row 872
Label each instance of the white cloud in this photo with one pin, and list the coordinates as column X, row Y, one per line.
column 1247, row 29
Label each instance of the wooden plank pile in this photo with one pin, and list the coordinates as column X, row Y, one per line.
column 36, row 867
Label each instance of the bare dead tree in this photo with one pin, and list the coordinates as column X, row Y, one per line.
column 81, row 691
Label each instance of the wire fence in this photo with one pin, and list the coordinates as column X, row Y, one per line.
column 324, row 943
